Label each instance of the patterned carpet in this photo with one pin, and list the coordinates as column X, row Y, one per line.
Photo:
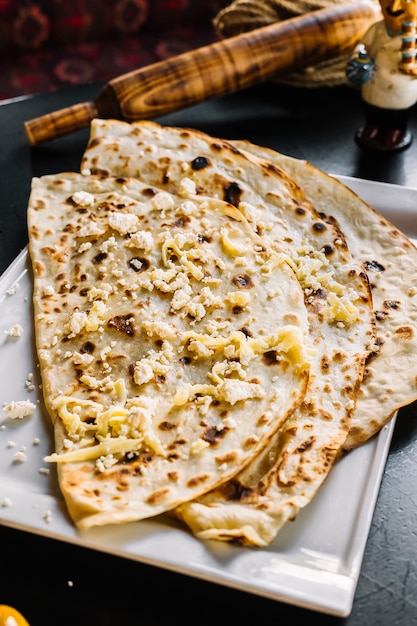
column 49, row 44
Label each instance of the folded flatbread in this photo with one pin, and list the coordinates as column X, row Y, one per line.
column 390, row 261
column 386, row 254
column 277, row 483
column 172, row 341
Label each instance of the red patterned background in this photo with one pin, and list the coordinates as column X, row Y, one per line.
column 49, row 44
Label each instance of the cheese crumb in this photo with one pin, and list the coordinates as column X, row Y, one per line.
column 83, row 198
column 187, row 187
column 162, row 201
column 13, row 289
column 48, row 290
column 29, row 382
column 123, row 222
column 19, row 457
column 15, row 331
column 141, row 239
column 198, row 446
column 235, row 390
column 84, row 247
column 19, row 409
column 77, row 322
column 82, row 359
column 90, row 229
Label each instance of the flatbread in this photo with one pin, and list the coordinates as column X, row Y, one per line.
column 390, row 259
column 254, row 506
column 171, row 341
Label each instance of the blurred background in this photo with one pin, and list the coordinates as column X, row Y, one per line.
column 47, row 45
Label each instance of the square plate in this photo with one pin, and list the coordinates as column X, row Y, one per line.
column 314, row 562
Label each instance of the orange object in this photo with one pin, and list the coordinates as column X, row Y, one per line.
column 214, row 70
column 8, row 614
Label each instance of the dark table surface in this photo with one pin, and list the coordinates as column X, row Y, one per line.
column 317, row 125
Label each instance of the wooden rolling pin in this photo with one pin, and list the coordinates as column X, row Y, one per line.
column 216, row 69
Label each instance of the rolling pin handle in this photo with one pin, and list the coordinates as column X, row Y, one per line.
column 58, row 123
column 226, row 66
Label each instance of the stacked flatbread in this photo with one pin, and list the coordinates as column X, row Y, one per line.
column 213, row 325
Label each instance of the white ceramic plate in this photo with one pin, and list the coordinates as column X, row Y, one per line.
column 313, row 563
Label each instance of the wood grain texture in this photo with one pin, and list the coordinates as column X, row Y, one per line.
column 60, row 122
column 217, row 69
